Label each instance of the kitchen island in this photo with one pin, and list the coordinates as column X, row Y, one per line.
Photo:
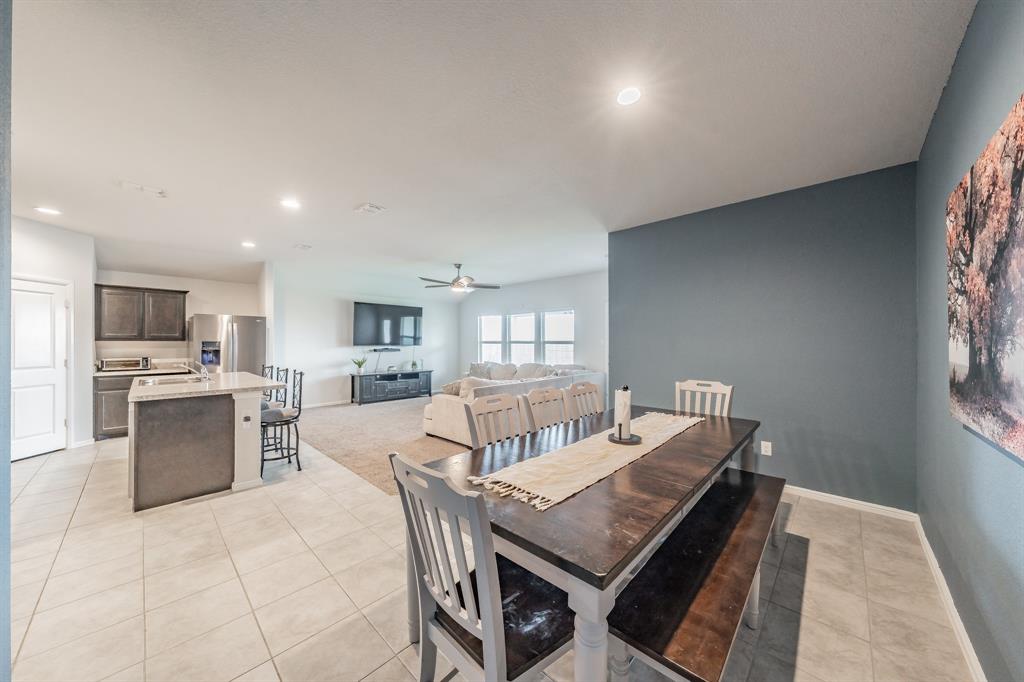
column 190, row 436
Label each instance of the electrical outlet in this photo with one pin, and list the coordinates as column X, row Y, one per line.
column 766, row 448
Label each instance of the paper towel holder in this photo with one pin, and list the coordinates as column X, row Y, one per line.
column 632, row 440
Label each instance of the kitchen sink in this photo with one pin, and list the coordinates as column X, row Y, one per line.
column 162, row 381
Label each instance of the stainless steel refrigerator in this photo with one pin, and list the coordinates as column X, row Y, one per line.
column 228, row 343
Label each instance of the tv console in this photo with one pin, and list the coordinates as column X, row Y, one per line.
column 375, row 387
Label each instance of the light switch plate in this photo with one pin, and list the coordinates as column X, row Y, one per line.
column 766, row 448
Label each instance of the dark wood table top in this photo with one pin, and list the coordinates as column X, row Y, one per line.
column 597, row 532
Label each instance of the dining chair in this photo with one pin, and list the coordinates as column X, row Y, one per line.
column 698, row 396
column 543, row 407
column 268, row 373
column 280, row 395
column 484, row 619
column 493, row 418
column 582, row 399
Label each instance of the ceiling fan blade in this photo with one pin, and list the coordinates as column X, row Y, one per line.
column 438, row 286
column 475, row 285
column 436, row 281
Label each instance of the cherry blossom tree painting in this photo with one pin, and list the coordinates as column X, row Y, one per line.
column 985, row 288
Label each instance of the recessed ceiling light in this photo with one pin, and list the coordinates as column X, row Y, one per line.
column 370, row 208
column 299, row 246
column 291, row 203
column 47, row 210
column 628, row 96
column 249, row 245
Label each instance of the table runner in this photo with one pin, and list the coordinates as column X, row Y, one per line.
column 544, row 481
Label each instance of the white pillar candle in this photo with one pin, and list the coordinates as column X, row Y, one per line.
column 623, row 400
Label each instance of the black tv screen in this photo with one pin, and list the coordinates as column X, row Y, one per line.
column 376, row 324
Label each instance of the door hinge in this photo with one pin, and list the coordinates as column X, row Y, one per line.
column 65, row 363
column 67, row 304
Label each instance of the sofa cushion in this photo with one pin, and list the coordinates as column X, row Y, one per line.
column 503, row 371
column 452, row 388
column 481, row 370
column 469, row 384
column 533, row 370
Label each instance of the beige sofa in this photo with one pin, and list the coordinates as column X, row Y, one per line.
column 445, row 416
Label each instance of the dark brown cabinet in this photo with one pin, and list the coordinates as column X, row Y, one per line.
column 137, row 314
column 377, row 386
column 110, row 406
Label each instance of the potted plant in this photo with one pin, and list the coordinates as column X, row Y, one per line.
column 359, row 362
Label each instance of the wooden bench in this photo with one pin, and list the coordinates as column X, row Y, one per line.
column 682, row 610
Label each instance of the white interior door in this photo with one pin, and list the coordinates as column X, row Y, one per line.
column 39, row 376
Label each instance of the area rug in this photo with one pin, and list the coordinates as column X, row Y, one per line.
column 360, row 437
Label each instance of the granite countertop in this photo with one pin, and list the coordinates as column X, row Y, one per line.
column 141, row 372
column 219, row 384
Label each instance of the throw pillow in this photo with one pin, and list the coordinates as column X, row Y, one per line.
column 470, row 383
column 452, row 388
column 533, row 370
column 503, row 371
column 481, row 370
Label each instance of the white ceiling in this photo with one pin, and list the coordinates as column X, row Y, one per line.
column 489, row 130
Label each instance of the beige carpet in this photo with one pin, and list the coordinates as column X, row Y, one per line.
column 361, row 436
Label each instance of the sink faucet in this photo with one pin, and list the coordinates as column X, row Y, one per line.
column 202, row 371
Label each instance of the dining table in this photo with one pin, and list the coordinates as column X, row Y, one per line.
column 591, row 544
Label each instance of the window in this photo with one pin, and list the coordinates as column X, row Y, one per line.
column 559, row 337
column 492, row 338
column 528, row 337
column 522, row 338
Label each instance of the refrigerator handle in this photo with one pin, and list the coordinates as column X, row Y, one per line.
column 234, row 346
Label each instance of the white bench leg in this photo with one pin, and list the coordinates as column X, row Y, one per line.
column 754, row 602
column 412, row 593
column 618, row 660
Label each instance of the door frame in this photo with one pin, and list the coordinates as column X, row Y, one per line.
column 69, row 332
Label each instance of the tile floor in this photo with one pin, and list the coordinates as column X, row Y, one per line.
column 304, row 579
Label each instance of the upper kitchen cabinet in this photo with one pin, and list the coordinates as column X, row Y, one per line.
column 137, row 314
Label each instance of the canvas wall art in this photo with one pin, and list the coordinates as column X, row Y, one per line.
column 985, row 287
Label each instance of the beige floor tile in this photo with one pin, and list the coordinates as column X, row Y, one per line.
column 293, row 618
column 18, row 628
column 77, row 555
column 265, row 672
column 767, row 668
column 65, row 495
column 36, row 547
column 283, row 578
column 135, row 673
column 814, row 647
column 392, row 532
column 317, row 529
column 410, row 658
column 248, row 508
column 24, row 598
column 887, row 529
column 348, row 650
column 68, row 622
column 840, row 563
column 68, row 587
column 916, row 594
column 177, row 622
column 386, row 509
column 390, row 618
column 31, row 570
column 360, row 495
column 179, row 512
column 181, row 581
column 198, row 546
column 903, row 643
column 179, row 529
column 36, row 527
column 815, row 519
column 259, row 542
column 392, row 671
column 370, row 580
column 102, row 530
column 822, row 601
column 121, row 646
column 221, row 654
column 350, row 550
column 26, row 509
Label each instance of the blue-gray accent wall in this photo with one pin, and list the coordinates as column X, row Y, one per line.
column 805, row 302
column 970, row 493
column 5, row 333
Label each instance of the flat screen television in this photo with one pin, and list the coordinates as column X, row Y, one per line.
column 377, row 324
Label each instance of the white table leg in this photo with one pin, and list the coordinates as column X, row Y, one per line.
column 590, row 641
column 748, row 455
column 754, row 602
column 618, row 661
column 412, row 594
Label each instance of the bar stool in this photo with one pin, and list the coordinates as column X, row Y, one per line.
column 277, row 424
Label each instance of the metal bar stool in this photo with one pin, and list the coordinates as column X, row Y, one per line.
column 281, row 421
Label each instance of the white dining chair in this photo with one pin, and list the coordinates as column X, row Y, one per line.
column 465, row 593
column 494, row 418
column 543, row 407
column 583, row 399
column 698, row 396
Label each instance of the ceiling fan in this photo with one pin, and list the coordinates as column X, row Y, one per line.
column 461, row 282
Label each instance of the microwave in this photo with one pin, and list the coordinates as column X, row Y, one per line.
column 122, row 364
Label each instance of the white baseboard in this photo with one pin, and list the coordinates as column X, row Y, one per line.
column 973, row 664
column 330, row 404
column 245, row 485
column 82, row 443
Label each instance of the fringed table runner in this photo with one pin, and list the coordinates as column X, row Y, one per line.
column 546, row 480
